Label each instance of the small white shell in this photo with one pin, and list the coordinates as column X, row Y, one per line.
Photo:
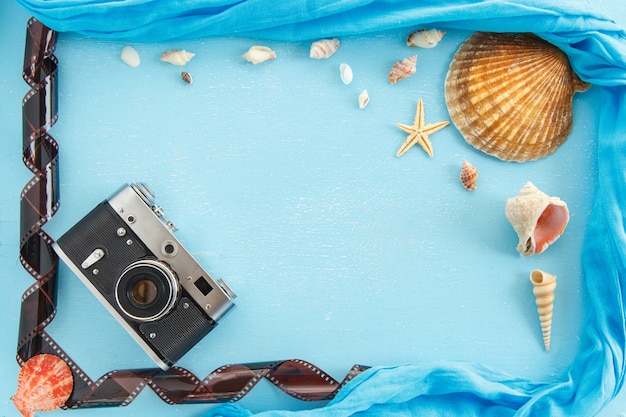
column 130, row 56
column 324, row 48
column 402, row 69
column 425, row 38
column 177, row 56
column 258, row 54
column 346, row 73
column 364, row 99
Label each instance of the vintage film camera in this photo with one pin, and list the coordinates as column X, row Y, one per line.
column 125, row 252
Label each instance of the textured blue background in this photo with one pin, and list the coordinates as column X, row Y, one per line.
column 340, row 252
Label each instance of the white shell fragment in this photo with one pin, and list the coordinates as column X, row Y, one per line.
column 177, row 56
column 538, row 220
column 364, row 99
column 258, row 54
column 130, row 56
column 346, row 73
column 324, row 48
column 544, row 285
column 186, row 77
column 425, row 38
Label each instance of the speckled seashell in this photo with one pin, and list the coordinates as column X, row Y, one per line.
column 538, row 220
column 364, row 99
column 324, row 48
column 425, row 38
column 130, row 56
column 510, row 95
column 178, row 57
column 402, row 69
column 44, row 383
column 258, row 54
column 345, row 72
column 468, row 176
column 186, row 77
column 544, row 285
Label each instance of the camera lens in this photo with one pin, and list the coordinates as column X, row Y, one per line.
column 146, row 290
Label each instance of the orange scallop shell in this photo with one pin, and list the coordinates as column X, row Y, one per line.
column 510, row 95
column 44, row 383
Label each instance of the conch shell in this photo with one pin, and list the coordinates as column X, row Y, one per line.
column 543, row 288
column 258, row 54
column 402, row 69
column 468, row 176
column 538, row 220
column 324, row 48
column 425, row 38
column 510, row 95
column 177, row 56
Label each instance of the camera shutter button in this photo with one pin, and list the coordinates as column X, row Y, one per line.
column 93, row 257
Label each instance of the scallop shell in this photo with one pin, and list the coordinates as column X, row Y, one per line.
column 130, row 56
column 538, row 220
column 44, row 383
column 425, row 38
column 364, row 99
column 510, row 95
column 468, row 176
column 324, row 48
column 258, row 54
column 177, row 56
column 345, row 72
column 402, row 69
column 544, row 285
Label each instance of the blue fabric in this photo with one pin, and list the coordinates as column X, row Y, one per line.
column 597, row 49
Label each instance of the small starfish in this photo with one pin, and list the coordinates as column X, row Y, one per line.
column 418, row 133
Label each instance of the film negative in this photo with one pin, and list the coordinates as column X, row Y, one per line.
column 39, row 202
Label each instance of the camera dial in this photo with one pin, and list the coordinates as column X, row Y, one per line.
column 146, row 290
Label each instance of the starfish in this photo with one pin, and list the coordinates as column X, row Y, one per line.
column 418, row 133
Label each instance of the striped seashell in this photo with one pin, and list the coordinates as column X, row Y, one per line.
column 177, row 57
column 258, row 54
column 44, row 383
column 544, row 285
column 468, row 176
column 510, row 95
column 324, row 48
column 402, row 69
column 425, row 38
column 186, row 77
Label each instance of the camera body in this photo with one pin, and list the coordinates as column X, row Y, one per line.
column 126, row 254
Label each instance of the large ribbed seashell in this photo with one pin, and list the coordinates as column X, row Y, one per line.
column 538, row 220
column 510, row 95
column 324, row 48
column 544, row 285
column 44, row 383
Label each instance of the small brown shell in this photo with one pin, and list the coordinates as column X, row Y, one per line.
column 402, row 69
column 44, row 383
column 186, row 77
column 510, row 95
column 468, row 176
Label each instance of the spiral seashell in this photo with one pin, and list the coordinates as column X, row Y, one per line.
column 425, row 38
column 345, row 72
column 402, row 69
column 44, row 383
column 538, row 220
column 510, row 95
column 258, row 54
column 364, row 99
column 544, row 285
column 130, row 56
column 324, row 48
column 468, row 176
column 177, row 57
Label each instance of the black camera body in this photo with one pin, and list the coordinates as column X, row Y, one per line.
column 126, row 254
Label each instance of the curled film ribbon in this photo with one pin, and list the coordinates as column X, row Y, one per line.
column 39, row 202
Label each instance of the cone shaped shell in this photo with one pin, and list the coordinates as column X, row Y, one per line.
column 510, row 95
column 538, row 219
column 544, row 285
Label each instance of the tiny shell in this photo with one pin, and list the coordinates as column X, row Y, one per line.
column 402, row 69
column 258, row 54
column 324, row 48
column 186, row 77
column 177, row 56
column 346, row 73
column 468, row 176
column 425, row 38
column 538, row 220
column 364, row 99
column 130, row 56
column 44, row 383
column 544, row 285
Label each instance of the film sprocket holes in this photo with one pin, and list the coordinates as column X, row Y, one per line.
column 126, row 254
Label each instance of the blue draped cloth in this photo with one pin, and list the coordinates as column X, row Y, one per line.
column 596, row 47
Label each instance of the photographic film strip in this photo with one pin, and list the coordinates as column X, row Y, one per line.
column 39, row 202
